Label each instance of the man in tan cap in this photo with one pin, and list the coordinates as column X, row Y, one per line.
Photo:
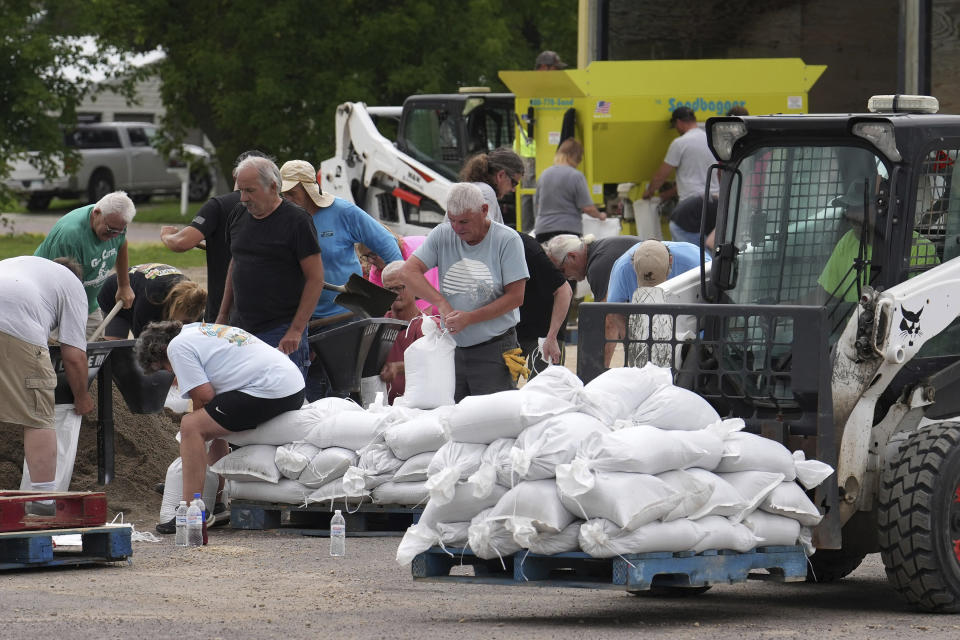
column 339, row 224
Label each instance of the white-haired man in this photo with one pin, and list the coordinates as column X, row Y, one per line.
column 275, row 275
column 95, row 236
column 483, row 275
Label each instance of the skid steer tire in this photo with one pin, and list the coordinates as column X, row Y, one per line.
column 919, row 519
column 830, row 565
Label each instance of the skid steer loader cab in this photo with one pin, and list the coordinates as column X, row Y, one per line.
column 818, row 216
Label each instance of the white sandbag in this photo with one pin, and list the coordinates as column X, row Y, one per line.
column 418, row 435
column 429, row 368
column 173, row 490
column 377, row 459
column 285, row 491
column 753, row 487
column 628, row 499
column 541, row 447
column 810, row 473
column 673, row 407
column 463, row 507
column 616, row 393
column 545, row 542
column 177, row 403
column 495, row 466
column 373, row 390
column 451, row 464
column 67, row 424
column 772, row 530
column 483, row 419
column 789, row 499
column 454, row 534
column 416, row 539
column 328, row 465
column 751, row 452
column 558, row 382
column 347, row 429
column 534, row 502
column 289, row 426
column 490, row 538
column 291, row 459
column 694, row 492
column 255, row 462
column 335, row 490
column 604, row 539
column 403, row 493
column 414, row 469
column 356, row 481
column 724, row 500
column 710, row 439
column 720, row 534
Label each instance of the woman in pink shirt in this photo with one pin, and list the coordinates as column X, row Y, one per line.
column 408, row 245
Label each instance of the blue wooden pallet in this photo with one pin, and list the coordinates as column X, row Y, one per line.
column 31, row 549
column 369, row 520
column 631, row 572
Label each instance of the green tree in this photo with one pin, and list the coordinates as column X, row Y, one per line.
column 44, row 75
column 269, row 76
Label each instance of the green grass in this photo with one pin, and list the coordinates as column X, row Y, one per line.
column 158, row 209
column 24, row 244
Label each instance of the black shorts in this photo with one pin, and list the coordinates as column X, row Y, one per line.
column 239, row 411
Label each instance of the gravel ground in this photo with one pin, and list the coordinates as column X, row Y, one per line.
column 269, row 585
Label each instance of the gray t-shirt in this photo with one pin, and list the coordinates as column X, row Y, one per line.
column 561, row 195
column 474, row 276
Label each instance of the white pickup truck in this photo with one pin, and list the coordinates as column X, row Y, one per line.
column 114, row 155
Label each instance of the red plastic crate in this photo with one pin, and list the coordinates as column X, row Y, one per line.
column 74, row 509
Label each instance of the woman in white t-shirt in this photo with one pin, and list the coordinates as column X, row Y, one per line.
column 235, row 380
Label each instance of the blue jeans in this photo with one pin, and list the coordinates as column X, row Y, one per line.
column 680, row 235
column 300, row 357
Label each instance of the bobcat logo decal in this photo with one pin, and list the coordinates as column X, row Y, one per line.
column 910, row 325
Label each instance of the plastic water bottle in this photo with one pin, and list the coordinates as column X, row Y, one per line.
column 203, row 511
column 194, row 525
column 338, row 535
column 181, row 538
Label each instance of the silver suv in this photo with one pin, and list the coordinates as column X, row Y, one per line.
column 114, row 155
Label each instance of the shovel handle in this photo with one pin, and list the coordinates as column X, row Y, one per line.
column 334, row 287
column 103, row 325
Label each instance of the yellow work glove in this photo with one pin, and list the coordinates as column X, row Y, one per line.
column 516, row 363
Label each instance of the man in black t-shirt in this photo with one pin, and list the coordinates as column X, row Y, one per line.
column 275, row 275
column 588, row 258
column 543, row 313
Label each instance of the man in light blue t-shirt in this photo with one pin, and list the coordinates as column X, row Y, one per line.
column 623, row 278
column 483, row 276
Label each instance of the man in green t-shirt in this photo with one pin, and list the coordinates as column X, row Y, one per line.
column 838, row 277
column 95, row 236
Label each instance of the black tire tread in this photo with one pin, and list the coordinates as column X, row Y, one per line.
column 905, row 519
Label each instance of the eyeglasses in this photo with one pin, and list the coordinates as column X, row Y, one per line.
column 513, row 182
column 116, row 232
column 397, row 289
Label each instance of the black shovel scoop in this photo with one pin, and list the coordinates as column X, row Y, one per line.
column 362, row 297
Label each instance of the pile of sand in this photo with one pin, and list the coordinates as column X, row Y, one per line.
column 144, row 448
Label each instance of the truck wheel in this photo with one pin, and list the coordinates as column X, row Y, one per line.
column 830, row 565
column 199, row 187
column 38, row 202
column 101, row 183
column 919, row 519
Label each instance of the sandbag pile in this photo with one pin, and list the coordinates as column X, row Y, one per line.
column 628, row 463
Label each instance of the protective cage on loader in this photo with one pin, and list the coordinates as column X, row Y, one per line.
column 828, row 320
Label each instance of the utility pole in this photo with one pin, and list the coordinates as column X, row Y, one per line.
column 913, row 50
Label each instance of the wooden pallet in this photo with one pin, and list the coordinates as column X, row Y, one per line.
column 632, row 572
column 32, row 549
column 74, row 509
column 369, row 520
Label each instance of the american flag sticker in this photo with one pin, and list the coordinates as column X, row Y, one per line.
column 603, row 108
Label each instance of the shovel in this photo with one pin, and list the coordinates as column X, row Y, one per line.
column 103, row 325
column 362, row 297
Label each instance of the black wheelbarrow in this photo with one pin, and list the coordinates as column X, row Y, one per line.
column 352, row 351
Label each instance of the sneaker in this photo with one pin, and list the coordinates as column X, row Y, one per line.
column 168, row 527
column 212, row 517
column 160, row 487
column 40, row 509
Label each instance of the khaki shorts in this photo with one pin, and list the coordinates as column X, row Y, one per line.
column 94, row 320
column 27, row 381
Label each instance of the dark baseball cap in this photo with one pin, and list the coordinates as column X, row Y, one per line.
column 682, row 113
column 549, row 59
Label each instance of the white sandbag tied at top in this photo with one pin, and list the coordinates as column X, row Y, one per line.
column 810, row 473
column 602, row 538
column 290, row 426
column 541, row 447
column 414, row 469
column 671, row 407
column 773, row 530
column 628, row 499
column 483, row 419
column 616, row 393
column 558, row 382
column 548, row 543
column 463, row 507
column 429, row 369
column 750, row 452
column 489, row 538
column 377, row 459
column 252, row 463
column 347, row 429
column 291, row 459
column 419, row 434
column 789, row 499
column 724, row 500
column 753, row 487
column 495, row 467
column 694, row 493
column 327, row 465
column 534, row 502
column 453, row 463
